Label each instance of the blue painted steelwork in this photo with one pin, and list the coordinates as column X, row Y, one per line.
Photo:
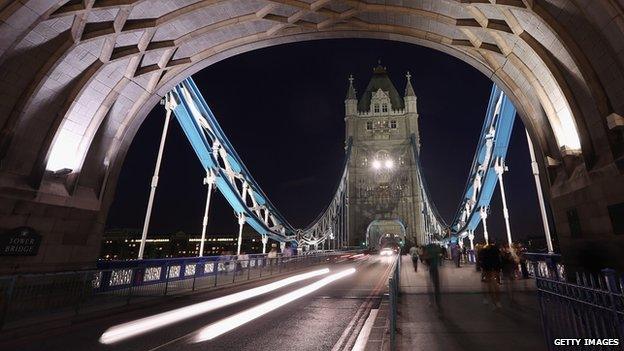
column 491, row 148
column 235, row 182
column 217, row 154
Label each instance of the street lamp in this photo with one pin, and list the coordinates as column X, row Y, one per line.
column 389, row 164
column 376, row 164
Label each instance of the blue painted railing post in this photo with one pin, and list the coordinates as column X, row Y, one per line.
column 540, row 299
column 611, row 279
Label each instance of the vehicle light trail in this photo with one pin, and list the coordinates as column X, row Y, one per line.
column 225, row 325
column 144, row 325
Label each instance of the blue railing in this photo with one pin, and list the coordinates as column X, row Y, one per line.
column 117, row 283
column 586, row 306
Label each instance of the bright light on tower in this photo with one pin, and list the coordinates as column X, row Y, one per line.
column 376, row 164
column 389, row 164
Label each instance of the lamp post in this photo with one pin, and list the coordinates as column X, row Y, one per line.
column 484, row 215
column 471, row 238
column 169, row 106
column 500, row 168
column 241, row 223
column 210, row 180
column 540, row 195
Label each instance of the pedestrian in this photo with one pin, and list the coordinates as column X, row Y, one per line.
column 455, row 254
column 433, row 253
column 272, row 255
column 242, row 262
column 413, row 251
column 491, row 265
column 509, row 267
column 463, row 254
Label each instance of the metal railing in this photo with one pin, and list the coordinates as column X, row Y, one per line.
column 588, row 306
column 30, row 298
column 393, row 295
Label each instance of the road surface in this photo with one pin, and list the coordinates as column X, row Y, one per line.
column 329, row 318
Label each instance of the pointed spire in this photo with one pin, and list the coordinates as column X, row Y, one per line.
column 351, row 93
column 409, row 90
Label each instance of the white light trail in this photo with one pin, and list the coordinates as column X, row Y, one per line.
column 225, row 325
column 144, row 325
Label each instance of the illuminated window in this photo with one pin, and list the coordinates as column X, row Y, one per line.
column 393, row 124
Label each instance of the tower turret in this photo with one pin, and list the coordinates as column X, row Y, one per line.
column 351, row 99
column 410, row 96
column 383, row 184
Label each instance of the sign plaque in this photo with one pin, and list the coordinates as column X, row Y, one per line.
column 20, row 241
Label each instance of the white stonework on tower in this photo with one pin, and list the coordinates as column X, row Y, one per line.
column 384, row 187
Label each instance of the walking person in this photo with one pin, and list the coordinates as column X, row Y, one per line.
column 433, row 253
column 413, row 251
column 491, row 265
column 464, row 256
column 509, row 266
column 455, row 255
column 272, row 255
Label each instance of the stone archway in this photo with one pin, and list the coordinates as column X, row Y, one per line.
column 79, row 77
column 382, row 230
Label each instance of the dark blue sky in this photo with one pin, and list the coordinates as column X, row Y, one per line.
column 283, row 110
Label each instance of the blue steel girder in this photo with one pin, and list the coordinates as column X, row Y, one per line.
column 220, row 160
column 219, row 157
column 491, row 150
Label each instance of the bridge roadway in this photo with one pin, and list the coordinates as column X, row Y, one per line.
column 326, row 319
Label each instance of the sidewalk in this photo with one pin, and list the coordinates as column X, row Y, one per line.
column 466, row 323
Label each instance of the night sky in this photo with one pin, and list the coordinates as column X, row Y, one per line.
column 283, row 108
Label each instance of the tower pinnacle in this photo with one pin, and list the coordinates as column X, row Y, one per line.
column 351, row 93
column 409, row 90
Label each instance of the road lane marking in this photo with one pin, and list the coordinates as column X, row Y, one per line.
column 225, row 325
column 364, row 307
column 144, row 325
column 360, row 342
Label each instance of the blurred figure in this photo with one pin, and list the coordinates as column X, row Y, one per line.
column 413, row 251
column 520, row 251
column 509, row 262
column 242, row 261
column 455, row 254
column 479, row 260
column 491, row 265
column 432, row 256
column 272, row 255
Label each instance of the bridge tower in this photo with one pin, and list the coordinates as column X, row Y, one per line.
column 384, row 194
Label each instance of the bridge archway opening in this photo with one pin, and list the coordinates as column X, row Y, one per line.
column 381, row 232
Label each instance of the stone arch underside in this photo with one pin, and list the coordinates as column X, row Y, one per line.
column 78, row 78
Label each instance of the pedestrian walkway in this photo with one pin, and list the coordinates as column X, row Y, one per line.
column 466, row 323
